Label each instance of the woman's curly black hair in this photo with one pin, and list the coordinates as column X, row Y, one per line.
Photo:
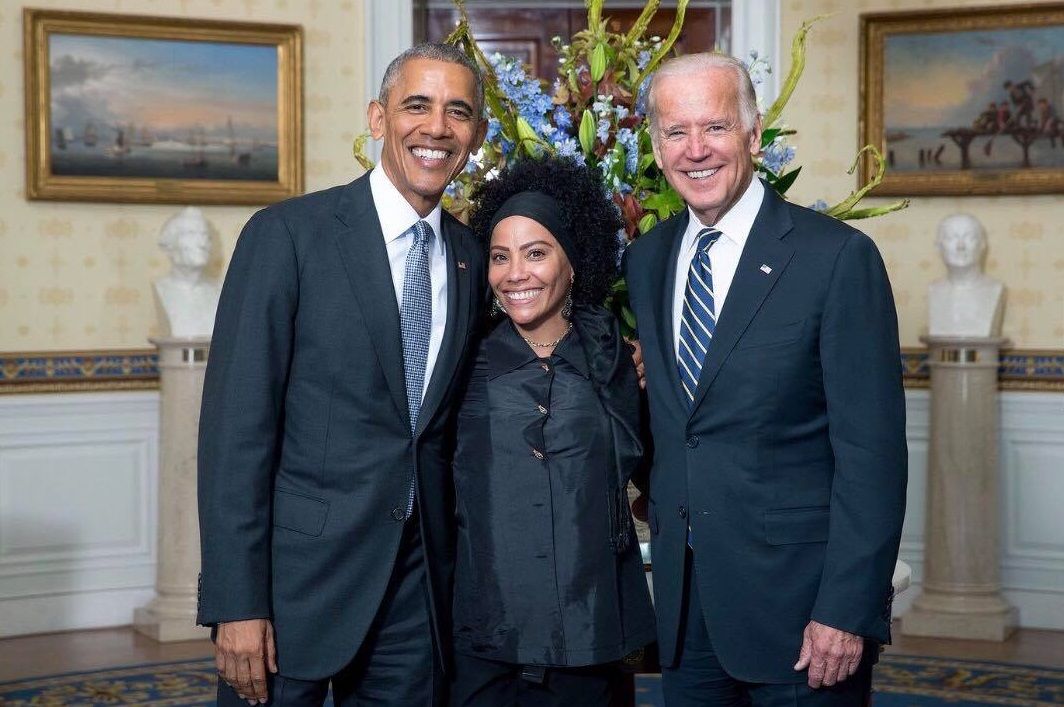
column 588, row 212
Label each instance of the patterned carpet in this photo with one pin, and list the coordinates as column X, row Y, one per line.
column 901, row 681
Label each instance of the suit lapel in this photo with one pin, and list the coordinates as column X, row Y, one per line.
column 365, row 259
column 670, row 251
column 458, row 294
column 750, row 286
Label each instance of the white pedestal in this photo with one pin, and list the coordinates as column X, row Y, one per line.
column 171, row 615
column 962, row 566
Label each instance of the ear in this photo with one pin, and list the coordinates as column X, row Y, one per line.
column 478, row 139
column 375, row 118
column 755, row 137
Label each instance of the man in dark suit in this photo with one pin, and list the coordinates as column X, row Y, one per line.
column 325, row 492
column 770, row 343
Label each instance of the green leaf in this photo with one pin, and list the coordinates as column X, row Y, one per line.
column 785, row 181
column 528, row 138
column 598, row 62
column 647, row 222
column 768, row 136
column 587, row 132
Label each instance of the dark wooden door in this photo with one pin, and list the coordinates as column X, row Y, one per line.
column 525, row 32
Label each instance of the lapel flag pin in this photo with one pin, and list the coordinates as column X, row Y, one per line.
column 461, row 265
column 766, row 269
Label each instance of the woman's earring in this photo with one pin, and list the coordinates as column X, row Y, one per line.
column 497, row 310
column 567, row 308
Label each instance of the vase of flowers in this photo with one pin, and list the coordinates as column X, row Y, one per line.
column 594, row 112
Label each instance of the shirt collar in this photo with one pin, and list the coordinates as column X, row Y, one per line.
column 507, row 351
column 395, row 213
column 736, row 223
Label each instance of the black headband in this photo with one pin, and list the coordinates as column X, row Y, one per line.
column 544, row 210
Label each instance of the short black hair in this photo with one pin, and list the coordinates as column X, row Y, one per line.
column 588, row 210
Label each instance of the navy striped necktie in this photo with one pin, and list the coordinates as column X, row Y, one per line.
column 699, row 318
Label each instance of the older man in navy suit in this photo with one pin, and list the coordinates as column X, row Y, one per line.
column 325, row 493
column 774, row 380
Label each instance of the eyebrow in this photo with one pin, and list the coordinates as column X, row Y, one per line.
column 526, row 246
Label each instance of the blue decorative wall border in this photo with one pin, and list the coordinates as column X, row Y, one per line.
column 71, row 371
column 1020, row 369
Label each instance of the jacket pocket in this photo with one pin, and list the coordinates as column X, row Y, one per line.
column 771, row 336
column 790, row 526
column 299, row 513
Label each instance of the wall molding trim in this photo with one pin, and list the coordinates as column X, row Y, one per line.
column 138, row 369
column 78, row 509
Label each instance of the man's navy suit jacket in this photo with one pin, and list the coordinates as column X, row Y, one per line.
column 305, row 447
column 790, row 467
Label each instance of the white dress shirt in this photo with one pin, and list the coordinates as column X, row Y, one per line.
column 397, row 217
column 724, row 256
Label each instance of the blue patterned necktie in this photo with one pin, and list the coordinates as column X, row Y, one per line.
column 415, row 316
column 699, row 318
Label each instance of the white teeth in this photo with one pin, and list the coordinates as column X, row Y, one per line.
column 522, row 296
column 702, row 174
column 427, row 154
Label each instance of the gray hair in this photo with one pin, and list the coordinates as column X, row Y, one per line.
column 436, row 52
column 695, row 63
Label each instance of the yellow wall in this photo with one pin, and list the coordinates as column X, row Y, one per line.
column 1026, row 234
column 77, row 276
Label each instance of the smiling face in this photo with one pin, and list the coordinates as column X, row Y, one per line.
column 699, row 140
column 530, row 275
column 429, row 126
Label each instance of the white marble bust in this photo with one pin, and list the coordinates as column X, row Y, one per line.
column 966, row 303
column 187, row 296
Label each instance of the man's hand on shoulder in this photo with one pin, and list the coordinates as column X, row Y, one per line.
column 832, row 655
column 243, row 652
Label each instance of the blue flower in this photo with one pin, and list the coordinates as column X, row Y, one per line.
column 603, row 130
column 643, row 59
column 570, row 148
column 776, row 156
column 621, row 112
column 641, row 97
column 628, row 140
column 819, row 205
column 562, row 119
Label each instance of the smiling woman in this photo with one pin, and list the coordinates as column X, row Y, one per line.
column 549, row 586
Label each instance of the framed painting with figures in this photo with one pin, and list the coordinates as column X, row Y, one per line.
column 164, row 110
column 965, row 100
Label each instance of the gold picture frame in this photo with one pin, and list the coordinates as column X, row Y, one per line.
column 219, row 107
column 934, row 99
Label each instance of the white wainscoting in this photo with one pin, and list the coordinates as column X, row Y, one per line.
column 78, row 509
column 1031, row 448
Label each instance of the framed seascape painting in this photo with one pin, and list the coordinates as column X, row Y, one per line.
column 965, row 101
column 164, row 110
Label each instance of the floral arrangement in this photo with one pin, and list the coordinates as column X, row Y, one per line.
column 594, row 113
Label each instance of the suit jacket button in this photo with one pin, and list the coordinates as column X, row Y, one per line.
column 683, row 511
column 692, row 442
column 398, row 513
